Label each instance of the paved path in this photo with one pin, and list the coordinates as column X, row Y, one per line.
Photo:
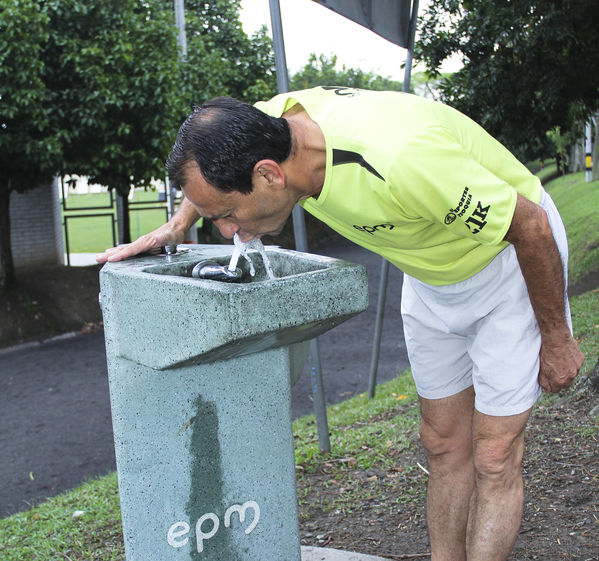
column 55, row 427
column 327, row 554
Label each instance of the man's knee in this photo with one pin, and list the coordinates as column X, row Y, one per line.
column 446, row 425
column 499, row 457
column 498, row 445
column 441, row 442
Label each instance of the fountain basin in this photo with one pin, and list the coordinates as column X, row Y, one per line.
column 176, row 320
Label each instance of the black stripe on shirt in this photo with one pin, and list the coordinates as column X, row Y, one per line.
column 349, row 157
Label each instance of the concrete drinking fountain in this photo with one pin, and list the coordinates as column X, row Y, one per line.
column 200, row 376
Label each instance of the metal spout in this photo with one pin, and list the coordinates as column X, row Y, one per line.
column 211, row 270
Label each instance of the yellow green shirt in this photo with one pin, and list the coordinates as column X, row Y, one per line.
column 412, row 179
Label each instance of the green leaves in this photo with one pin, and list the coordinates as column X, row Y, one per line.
column 98, row 88
column 322, row 70
column 25, row 131
column 527, row 67
column 114, row 72
column 221, row 58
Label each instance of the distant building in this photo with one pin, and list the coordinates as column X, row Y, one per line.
column 36, row 227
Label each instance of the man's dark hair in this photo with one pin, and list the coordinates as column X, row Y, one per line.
column 226, row 138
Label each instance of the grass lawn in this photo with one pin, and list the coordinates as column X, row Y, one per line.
column 578, row 203
column 93, row 234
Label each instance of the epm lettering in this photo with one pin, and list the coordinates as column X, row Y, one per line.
column 372, row 229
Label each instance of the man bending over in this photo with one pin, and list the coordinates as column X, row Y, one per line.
column 481, row 244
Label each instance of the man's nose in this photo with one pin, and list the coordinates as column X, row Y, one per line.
column 226, row 227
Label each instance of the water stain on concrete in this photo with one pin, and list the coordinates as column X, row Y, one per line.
column 207, row 485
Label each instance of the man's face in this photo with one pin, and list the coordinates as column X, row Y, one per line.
column 263, row 211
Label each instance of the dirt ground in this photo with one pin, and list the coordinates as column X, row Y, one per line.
column 48, row 302
column 561, row 506
column 561, row 467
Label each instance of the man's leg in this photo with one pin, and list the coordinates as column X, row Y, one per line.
column 475, row 491
column 496, row 508
column 446, row 433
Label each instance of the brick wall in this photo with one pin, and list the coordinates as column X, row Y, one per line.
column 36, row 228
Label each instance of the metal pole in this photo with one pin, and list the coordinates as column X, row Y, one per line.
column 589, row 153
column 378, row 327
column 380, row 310
column 170, row 198
column 405, row 87
column 299, row 222
column 301, row 240
column 279, row 46
column 180, row 23
column 192, row 234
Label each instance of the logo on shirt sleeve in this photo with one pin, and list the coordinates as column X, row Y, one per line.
column 478, row 220
column 460, row 208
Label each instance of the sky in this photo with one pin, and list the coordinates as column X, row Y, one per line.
column 309, row 27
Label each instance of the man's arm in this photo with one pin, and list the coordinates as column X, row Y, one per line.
column 541, row 266
column 171, row 233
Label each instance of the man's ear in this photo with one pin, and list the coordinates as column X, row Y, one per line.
column 269, row 172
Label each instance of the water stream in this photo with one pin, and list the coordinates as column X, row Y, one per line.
column 242, row 249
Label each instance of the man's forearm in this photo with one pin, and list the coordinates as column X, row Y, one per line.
column 541, row 266
column 185, row 217
column 170, row 233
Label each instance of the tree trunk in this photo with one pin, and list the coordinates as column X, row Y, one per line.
column 7, row 267
column 576, row 159
column 126, row 228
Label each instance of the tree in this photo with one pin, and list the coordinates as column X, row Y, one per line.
column 88, row 88
column 97, row 88
column 221, row 58
column 322, row 71
column 154, row 88
column 528, row 66
column 26, row 134
column 113, row 70
column 118, row 63
column 138, row 58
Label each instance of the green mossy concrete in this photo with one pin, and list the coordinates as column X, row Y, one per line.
column 200, row 379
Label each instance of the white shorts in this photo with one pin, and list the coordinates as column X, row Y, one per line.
column 480, row 332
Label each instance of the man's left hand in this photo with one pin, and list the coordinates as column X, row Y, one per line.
column 561, row 359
